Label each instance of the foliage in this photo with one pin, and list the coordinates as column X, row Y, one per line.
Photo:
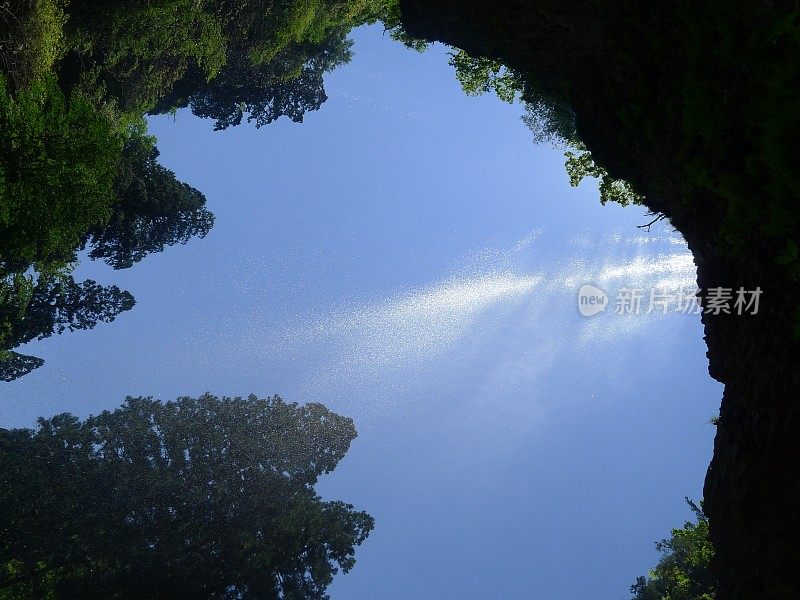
column 291, row 22
column 31, row 38
column 276, row 58
column 683, row 572
column 60, row 304
column 58, row 158
column 478, row 75
column 580, row 165
column 77, row 170
column 289, row 85
column 198, row 498
column 14, row 365
column 152, row 209
column 53, row 305
column 145, row 53
column 16, row 290
column 140, row 49
column 550, row 120
column 391, row 17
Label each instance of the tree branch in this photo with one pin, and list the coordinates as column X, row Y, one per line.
column 656, row 220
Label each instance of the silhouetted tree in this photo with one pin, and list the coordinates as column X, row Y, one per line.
column 153, row 210
column 290, row 84
column 51, row 306
column 198, row 498
column 14, row 365
column 59, row 305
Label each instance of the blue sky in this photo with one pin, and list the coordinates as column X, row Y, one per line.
column 410, row 258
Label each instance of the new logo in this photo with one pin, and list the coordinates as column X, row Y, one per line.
column 591, row 300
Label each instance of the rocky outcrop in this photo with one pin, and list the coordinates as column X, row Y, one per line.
column 667, row 96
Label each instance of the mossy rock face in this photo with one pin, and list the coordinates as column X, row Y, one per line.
column 696, row 106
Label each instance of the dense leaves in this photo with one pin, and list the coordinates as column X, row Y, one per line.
column 580, row 164
column 683, row 572
column 52, row 306
column 31, row 36
column 14, row 365
column 60, row 304
column 478, row 75
column 276, row 55
column 58, row 158
column 198, row 498
column 152, row 209
column 133, row 52
column 289, row 85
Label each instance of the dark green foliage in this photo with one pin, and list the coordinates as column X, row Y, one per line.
column 60, row 304
column 31, row 36
column 266, row 28
column 478, row 75
column 54, row 305
column 16, row 290
column 58, row 157
column 550, row 121
column 391, row 17
column 291, row 84
column 62, row 174
column 683, row 572
column 580, row 164
column 198, row 498
column 215, row 54
column 152, row 209
column 276, row 55
column 14, row 365
column 135, row 51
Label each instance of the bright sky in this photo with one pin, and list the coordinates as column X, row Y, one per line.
column 408, row 257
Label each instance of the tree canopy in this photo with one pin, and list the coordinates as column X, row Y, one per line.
column 209, row 497
column 58, row 158
column 290, row 85
column 152, row 209
column 51, row 306
column 683, row 572
column 77, row 168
